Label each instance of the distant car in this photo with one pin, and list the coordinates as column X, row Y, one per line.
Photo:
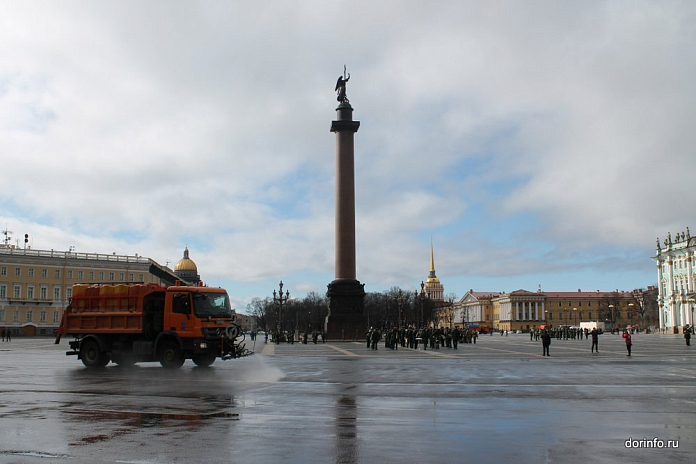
column 518, row 331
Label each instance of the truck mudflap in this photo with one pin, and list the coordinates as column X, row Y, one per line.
column 233, row 343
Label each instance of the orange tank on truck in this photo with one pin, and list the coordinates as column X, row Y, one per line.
column 130, row 323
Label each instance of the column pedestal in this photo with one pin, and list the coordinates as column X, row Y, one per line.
column 346, row 303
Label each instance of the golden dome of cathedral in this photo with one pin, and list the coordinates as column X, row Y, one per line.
column 186, row 263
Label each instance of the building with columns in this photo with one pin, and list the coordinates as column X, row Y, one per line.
column 525, row 310
column 475, row 309
column 520, row 310
column 675, row 277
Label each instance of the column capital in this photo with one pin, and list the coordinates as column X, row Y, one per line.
column 345, row 125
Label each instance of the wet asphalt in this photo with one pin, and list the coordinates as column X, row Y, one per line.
column 339, row 402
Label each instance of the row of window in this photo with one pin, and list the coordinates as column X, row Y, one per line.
column 71, row 274
column 678, row 263
column 681, row 285
column 568, row 316
column 31, row 292
column 568, row 304
column 29, row 316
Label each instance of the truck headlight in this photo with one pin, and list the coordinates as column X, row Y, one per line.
column 203, row 345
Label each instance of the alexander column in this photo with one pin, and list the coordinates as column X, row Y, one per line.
column 345, row 293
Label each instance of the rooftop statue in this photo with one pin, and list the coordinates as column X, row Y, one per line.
column 341, row 86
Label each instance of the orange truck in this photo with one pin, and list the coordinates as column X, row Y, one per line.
column 130, row 323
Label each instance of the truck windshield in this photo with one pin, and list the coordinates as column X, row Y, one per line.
column 211, row 304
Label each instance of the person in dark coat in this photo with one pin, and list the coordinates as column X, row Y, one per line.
column 545, row 342
column 455, row 337
column 687, row 334
column 595, row 340
column 375, row 338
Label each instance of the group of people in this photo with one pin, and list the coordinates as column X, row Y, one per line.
column 562, row 333
column 289, row 337
column 435, row 338
column 6, row 335
column 547, row 334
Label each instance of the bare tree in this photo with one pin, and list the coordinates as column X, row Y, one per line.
column 260, row 310
column 609, row 306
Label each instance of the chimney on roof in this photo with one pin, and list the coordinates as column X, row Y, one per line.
column 579, row 290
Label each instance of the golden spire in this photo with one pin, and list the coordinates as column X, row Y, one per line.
column 432, row 262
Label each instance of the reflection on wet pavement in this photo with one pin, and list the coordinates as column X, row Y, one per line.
column 479, row 405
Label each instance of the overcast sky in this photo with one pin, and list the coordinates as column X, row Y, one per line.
column 536, row 143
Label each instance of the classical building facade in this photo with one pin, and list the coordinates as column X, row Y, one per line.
column 525, row 310
column 36, row 285
column 675, row 277
column 475, row 309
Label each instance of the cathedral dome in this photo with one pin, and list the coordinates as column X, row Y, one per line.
column 186, row 263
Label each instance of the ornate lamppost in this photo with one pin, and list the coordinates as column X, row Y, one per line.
column 611, row 315
column 279, row 299
column 421, row 297
column 400, row 299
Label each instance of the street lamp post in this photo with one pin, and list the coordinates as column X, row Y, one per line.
column 279, row 299
column 399, row 306
column 611, row 315
column 630, row 312
column 421, row 297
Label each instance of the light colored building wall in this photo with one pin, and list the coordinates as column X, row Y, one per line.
column 36, row 285
column 524, row 310
column 474, row 309
column 675, row 272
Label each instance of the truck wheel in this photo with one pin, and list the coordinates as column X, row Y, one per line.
column 91, row 354
column 204, row 360
column 170, row 355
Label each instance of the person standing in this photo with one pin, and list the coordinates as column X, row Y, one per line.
column 545, row 342
column 455, row 338
column 595, row 340
column 627, row 336
column 375, row 336
column 687, row 334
